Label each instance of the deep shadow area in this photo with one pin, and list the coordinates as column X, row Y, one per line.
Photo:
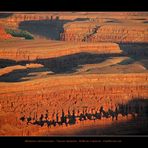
column 145, row 22
column 136, row 51
column 59, row 65
column 138, row 125
column 17, row 75
column 137, row 48
column 49, row 29
column 6, row 62
column 70, row 63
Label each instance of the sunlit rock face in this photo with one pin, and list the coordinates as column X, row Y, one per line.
column 112, row 32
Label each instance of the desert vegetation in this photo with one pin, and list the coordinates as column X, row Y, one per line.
column 19, row 33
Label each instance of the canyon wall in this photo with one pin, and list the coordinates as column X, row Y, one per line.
column 74, row 92
column 91, row 38
column 77, row 31
column 90, row 27
column 119, row 33
column 21, row 51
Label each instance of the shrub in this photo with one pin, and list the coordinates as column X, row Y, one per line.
column 20, row 33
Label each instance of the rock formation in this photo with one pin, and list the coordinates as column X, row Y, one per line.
column 118, row 33
column 100, row 60
column 23, row 52
column 121, row 34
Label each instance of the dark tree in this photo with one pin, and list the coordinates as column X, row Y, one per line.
column 57, row 118
column 22, row 118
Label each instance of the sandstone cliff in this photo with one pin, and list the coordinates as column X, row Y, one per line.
column 73, row 92
column 119, row 33
column 93, row 26
column 21, row 51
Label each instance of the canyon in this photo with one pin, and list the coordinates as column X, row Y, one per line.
column 77, row 63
